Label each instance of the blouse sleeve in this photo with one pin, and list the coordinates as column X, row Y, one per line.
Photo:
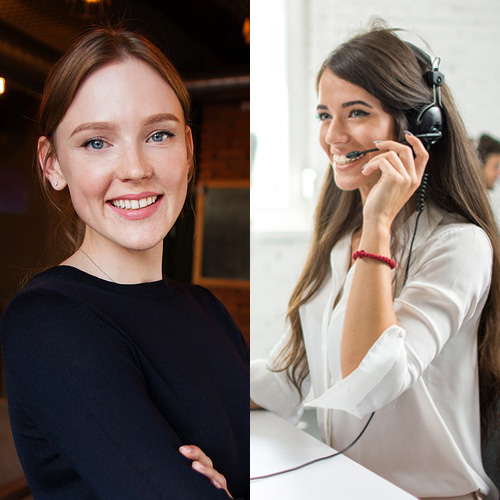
column 447, row 286
column 273, row 390
column 82, row 387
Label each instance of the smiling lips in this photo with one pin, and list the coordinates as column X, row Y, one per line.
column 342, row 160
column 134, row 204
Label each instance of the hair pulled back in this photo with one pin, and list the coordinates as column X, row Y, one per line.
column 93, row 50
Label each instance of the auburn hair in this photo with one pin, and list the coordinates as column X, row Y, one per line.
column 94, row 49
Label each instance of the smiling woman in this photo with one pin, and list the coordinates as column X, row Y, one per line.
column 110, row 155
column 122, row 383
column 409, row 346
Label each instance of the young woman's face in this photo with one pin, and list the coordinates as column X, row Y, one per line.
column 351, row 120
column 124, row 151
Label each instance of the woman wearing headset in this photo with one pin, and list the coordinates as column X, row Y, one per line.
column 378, row 322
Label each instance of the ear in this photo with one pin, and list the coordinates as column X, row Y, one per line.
column 190, row 152
column 47, row 160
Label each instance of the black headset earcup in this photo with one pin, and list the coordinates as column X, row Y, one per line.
column 427, row 121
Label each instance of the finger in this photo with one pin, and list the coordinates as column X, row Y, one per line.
column 217, row 479
column 412, row 163
column 403, row 151
column 194, row 453
column 421, row 154
column 389, row 163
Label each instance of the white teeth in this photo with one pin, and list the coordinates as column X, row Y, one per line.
column 342, row 160
column 134, row 204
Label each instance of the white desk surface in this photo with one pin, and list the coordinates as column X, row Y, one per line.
column 276, row 445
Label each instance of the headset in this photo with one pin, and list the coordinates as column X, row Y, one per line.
column 428, row 122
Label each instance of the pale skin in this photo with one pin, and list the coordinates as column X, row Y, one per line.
column 124, row 134
column 352, row 120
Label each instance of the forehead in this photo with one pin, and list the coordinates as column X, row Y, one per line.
column 121, row 90
column 493, row 158
column 333, row 90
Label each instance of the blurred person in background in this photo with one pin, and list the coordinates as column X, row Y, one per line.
column 488, row 150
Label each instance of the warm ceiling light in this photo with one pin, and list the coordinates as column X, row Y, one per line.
column 2, row 85
column 246, row 30
column 89, row 9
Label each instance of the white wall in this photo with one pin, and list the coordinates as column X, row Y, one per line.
column 464, row 33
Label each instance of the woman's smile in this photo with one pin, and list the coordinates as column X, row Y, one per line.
column 351, row 119
column 126, row 166
column 136, row 207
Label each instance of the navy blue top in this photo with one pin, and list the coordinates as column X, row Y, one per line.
column 106, row 381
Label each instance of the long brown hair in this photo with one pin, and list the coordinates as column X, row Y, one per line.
column 94, row 49
column 382, row 64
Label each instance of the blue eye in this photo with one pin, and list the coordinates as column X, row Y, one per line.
column 160, row 136
column 94, row 143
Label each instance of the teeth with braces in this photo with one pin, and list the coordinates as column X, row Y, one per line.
column 342, row 160
column 134, row 204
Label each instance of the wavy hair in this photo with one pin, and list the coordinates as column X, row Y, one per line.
column 385, row 66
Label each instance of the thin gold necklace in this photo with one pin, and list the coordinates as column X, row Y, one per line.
column 96, row 265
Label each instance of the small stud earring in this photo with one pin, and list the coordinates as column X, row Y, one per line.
column 56, row 184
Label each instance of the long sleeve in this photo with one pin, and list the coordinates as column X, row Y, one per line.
column 440, row 305
column 78, row 383
column 273, row 390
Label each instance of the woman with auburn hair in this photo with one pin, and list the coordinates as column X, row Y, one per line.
column 394, row 321
column 122, row 383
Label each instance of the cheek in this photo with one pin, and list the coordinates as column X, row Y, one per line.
column 89, row 181
column 175, row 174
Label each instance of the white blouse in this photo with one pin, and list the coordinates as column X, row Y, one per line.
column 420, row 376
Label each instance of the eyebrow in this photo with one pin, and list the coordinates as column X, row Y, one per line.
column 348, row 104
column 150, row 120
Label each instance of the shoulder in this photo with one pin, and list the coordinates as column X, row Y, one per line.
column 196, row 298
column 458, row 235
column 453, row 252
column 47, row 313
column 39, row 295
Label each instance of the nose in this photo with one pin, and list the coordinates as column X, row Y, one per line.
column 336, row 132
column 134, row 164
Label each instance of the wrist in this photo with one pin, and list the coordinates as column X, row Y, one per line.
column 375, row 237
column 380, row 226
column 361, row 254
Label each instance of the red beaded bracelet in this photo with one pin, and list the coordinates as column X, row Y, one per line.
column 360, row 254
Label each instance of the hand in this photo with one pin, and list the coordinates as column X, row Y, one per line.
column 401, row 170
column 203, row 465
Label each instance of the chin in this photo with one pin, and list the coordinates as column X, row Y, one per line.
column 346, row 184
column 140, row 242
